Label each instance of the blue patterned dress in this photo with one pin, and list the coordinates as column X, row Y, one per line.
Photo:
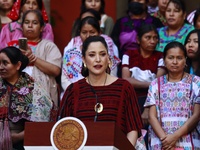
column 174, row 108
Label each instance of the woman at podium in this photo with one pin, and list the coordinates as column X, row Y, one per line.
column 100, row 96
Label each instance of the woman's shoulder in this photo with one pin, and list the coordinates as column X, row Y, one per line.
column 120, row 83
column 46, row 43
column 76, row 86
column 158, row 54
column 133, row 55
column 47, row 25
column 133, row 52
column 196, row 79
column 47, row 28
column 107, row 39
column 193, row 80
column 161, row 29
column 109, row 19
column 12, row 26
column 187, row 27
column 27, row 77
column 74, row 43
column 122, row 20
column 82, row 82
column 159, row 80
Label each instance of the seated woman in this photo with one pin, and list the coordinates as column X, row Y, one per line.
column 174, row 102
column 44, row 56
column 192, row 45
column 5, row 8
column 100, row 96
column 176, row 29
column 142, row 66
column 13, row 31
column 20, row 100
column 72, row 58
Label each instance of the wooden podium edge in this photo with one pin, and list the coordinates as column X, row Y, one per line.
column 99, row 134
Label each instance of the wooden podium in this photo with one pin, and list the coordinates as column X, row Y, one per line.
column 101, row 136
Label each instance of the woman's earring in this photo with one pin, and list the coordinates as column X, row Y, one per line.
column 84, row 65
column 110, row 64
column 109, row 67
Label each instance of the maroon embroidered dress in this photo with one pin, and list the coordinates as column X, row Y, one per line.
column 118, row 99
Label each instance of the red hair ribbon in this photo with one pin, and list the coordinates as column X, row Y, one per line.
column 14, row 14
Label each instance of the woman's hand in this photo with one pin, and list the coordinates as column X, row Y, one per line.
column 169, row 141
column 17, row 137
column 42, row 65
column 28, row 53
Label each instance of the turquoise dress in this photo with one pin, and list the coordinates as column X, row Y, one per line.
column 180, row 36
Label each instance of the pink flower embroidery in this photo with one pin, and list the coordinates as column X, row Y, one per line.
column 23, row 91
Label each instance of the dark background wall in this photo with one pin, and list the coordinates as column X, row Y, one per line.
column 192, row 4
column 122, row 6
column 64, row 12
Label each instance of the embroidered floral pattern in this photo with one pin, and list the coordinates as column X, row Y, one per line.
column 24, row 103
column 175, row 108
column 71, row 65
